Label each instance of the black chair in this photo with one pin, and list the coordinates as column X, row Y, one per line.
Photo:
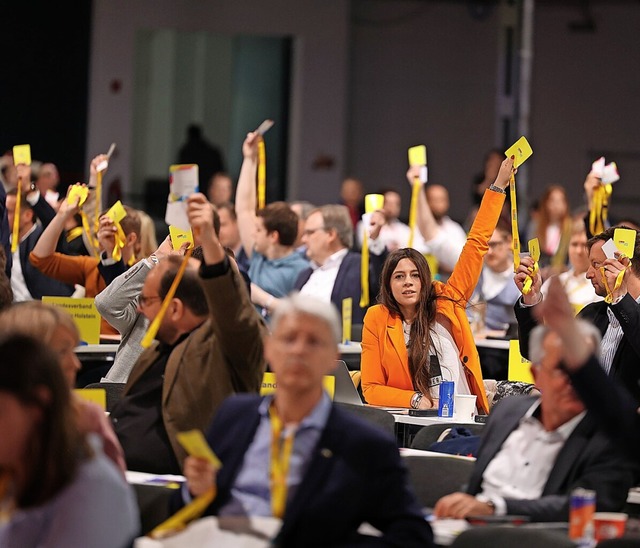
column 379, row 417
column 113, row 389
column 429, row 434
column 434, row 477
column 512, row 537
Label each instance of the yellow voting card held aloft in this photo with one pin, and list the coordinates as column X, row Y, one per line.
column 78, row 192
column 418, row 156
column 534, row 249
column 520, row 150
column 625, row 240
column 22, row 155
column 117, row 212
column 196, row 445
column 179, row 237
column 347, row 314
column 373, row 202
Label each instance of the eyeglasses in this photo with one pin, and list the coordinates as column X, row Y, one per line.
column 310, row 231
column 493, row 245
column 145, row 301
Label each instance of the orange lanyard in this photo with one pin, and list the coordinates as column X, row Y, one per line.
column 279, row 466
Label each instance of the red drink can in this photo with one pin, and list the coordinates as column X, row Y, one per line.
column 581, row 510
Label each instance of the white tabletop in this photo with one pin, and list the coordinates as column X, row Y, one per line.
column 409, row 419
column 96, row 349
column 352, row 347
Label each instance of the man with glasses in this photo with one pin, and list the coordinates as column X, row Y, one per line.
column 209, row 345
column 335, row 273
column 536, row 450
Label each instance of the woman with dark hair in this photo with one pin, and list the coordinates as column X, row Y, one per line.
column 56, row 486
column 419, row 334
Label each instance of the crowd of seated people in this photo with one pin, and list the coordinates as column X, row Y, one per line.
column 263, row 289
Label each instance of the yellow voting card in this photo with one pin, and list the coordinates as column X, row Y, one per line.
column 521, row 150
column 418, row 156
column 22, row 155
column 269, row 384
column 519, row 367
column 117, row 212
column 534, row 249
column 373, row 202
column 347, row 312
column 179, row 237
column 625, row 240
column 78, row 192
column 94, row 395
column 196, row 445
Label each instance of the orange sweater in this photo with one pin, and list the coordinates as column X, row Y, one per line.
column 76, row 269
column 385, row 364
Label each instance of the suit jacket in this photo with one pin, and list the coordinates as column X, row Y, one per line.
column 587, row 460
column 348, row 282
column 343, row 487
column 220, row 357
column 613, row 407
column 625, row 367
column 38, row 283
column 385, row 364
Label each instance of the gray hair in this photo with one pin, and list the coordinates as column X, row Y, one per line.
column 336, row 217
column 586, row 329
column 303, row 304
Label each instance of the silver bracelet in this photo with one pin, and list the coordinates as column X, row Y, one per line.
column 496, row 188
column 416, row 399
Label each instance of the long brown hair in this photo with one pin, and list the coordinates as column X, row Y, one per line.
column 419, row 339
column 30, row 372
column 560, row 256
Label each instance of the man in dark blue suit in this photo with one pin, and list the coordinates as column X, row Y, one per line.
column 336, row 272
column 297, row 457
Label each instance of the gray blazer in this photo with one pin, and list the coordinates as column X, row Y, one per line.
column 118, row 304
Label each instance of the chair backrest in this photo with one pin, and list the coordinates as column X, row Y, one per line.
column 512, row 537
column 379, row 417
column 434, row 477
column 113, row 389
column 429, row 434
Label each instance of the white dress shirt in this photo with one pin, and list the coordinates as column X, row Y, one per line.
column 521, row 468
column 323, row 278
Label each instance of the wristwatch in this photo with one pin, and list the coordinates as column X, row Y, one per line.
column 497, row 189
column 415, row 400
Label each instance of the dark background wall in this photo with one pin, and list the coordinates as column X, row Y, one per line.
column 43, row 91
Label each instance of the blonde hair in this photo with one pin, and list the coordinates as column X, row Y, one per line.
column 148, row 240
column 36, row 319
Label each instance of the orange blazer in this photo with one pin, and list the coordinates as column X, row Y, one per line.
column 385, row 364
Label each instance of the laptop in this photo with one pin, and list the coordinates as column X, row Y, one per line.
column 345, row 390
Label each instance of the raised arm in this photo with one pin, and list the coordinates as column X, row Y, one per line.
column 48, row 241
column 466, row 272
column 425, row 220
column 246, row 199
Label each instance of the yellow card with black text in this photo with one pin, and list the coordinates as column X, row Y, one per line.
column 625, row 240
column 179, row 237
column 521, row 150
column 534, row 249
column 117, row 212
column 196, row 445
column 418, row 156
column 22, row 155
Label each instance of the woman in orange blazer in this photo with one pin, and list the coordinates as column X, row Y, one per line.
column 419, row 318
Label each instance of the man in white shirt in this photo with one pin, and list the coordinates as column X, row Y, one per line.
column 536, row 450
column 335, row 273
